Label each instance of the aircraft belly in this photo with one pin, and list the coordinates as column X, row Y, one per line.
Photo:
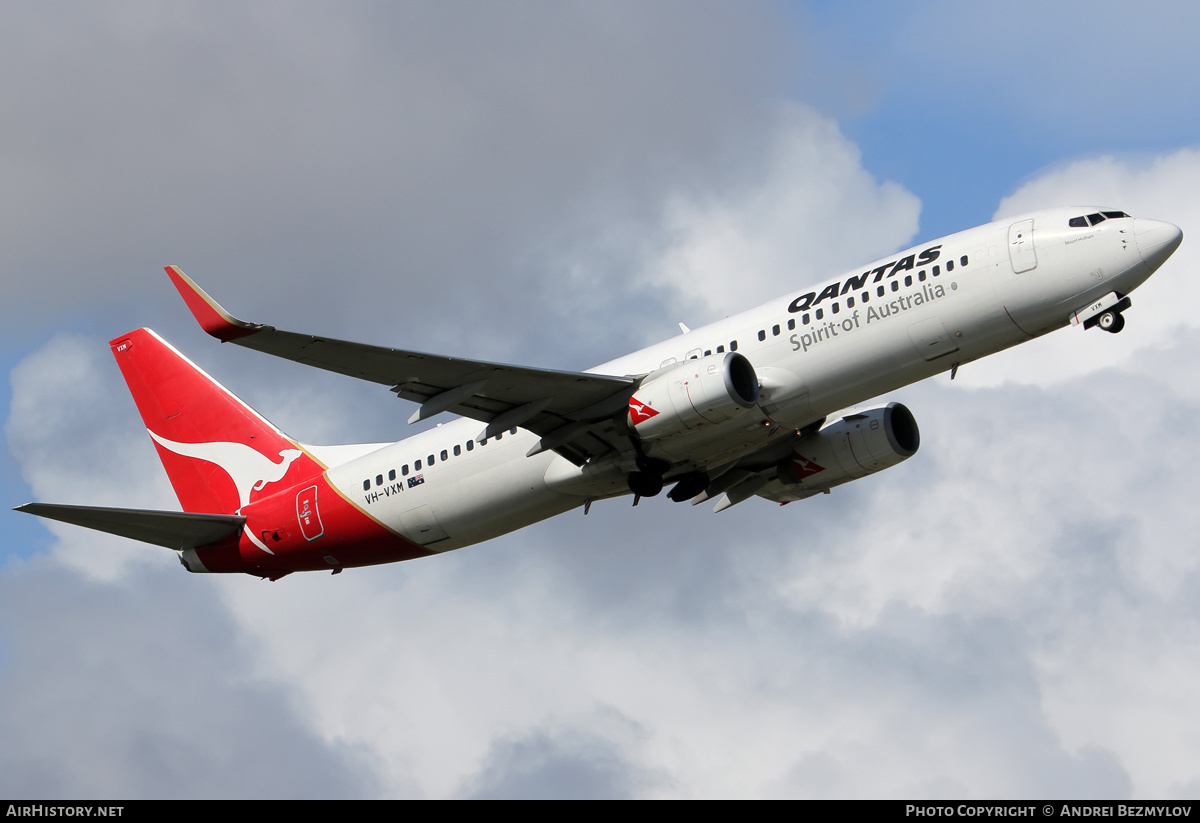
column 867, row 368
column 461, row 507
column 420, row 525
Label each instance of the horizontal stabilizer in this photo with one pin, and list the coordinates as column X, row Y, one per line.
column 173, row 530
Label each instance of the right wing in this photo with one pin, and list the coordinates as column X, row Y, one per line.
column 577, row 414
column 173, row 530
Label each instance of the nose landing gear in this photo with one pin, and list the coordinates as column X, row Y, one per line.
column 1111, row 321
column 1107, row 313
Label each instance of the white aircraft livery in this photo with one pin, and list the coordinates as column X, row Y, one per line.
column 752, row 405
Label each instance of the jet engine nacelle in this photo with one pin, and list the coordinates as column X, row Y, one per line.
column 854, row 446
column 692, row 395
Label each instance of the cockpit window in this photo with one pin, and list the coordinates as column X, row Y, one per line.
column 1093, row 219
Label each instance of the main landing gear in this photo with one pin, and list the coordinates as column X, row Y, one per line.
column 649, row 482
column 645, row 483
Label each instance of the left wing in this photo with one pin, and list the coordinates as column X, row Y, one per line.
column 575, row 413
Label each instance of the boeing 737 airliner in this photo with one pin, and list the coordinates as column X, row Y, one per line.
column 746, row 406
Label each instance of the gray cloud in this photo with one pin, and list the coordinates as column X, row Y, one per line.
column 564, row 763
column 144, row 689
column 408, row 160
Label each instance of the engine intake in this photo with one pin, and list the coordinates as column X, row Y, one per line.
column 854, row 446
column 692, row 395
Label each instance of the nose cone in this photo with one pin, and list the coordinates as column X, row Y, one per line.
column 1156, row 240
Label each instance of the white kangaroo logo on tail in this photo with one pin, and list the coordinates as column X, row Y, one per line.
column 247, row 468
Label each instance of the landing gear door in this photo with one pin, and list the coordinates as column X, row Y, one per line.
column 1020, row 246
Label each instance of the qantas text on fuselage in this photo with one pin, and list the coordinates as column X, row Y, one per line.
column 764, row 403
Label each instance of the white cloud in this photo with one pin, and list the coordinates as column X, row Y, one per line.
column 76, row 436
column 815, row 212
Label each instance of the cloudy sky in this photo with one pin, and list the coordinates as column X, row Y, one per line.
column 1011, row 613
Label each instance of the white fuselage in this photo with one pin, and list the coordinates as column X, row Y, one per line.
column 872, row 330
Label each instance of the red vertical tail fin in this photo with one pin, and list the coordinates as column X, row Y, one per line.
column 218, row 452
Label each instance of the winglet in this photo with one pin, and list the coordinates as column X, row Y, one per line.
column 208, row 312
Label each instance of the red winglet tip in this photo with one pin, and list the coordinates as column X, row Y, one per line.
column 208, row 312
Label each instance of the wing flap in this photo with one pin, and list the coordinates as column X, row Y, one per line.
column 172, row 530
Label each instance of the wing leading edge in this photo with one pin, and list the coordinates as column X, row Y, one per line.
column 575, row 413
